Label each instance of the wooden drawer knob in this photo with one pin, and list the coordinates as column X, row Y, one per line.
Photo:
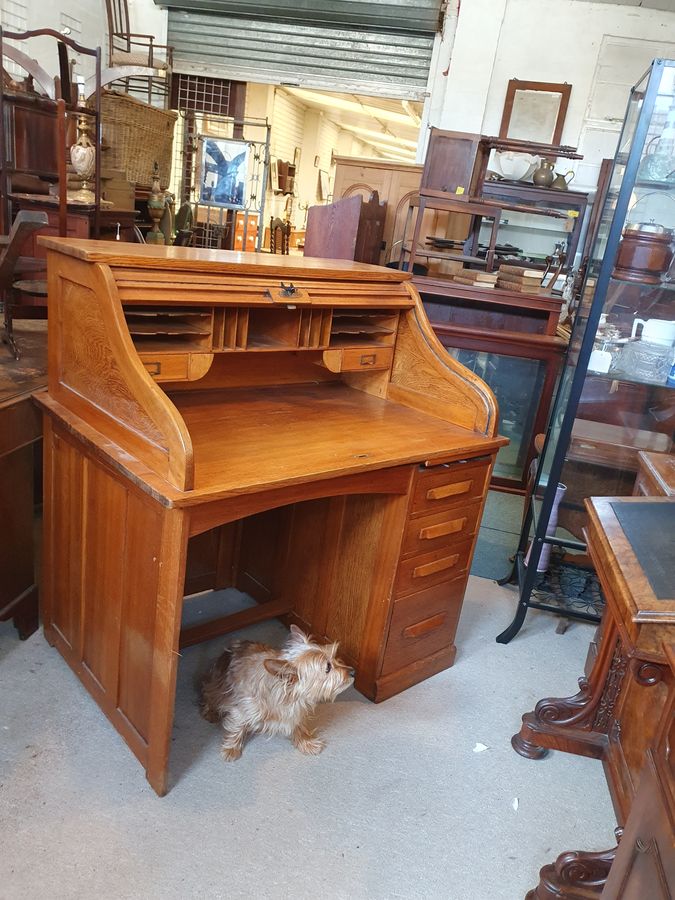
column 449, row 490
column 424, row 627
column 434, row 531
column 438, row 565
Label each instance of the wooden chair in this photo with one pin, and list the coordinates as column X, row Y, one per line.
column 351, row 228
column 14, row 268
column 135, row 60
column 280, row 234
column 37, row 124
column 184, row 226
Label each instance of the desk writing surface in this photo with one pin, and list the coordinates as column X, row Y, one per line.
column 651, row 532
column 252, row 438
column 639, row 601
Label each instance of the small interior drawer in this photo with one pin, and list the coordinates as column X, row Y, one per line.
column 177, row 366
column 456, row 484
column 441, row 529
column 422, row 624
column 418, row 572
column 358, row 359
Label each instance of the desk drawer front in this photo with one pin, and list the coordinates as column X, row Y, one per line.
column 445, row 486
column 446, row 528
column 419, row 572
column 422, row 624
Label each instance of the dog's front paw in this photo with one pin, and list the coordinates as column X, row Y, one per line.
column 312, row 746
column 229, row 753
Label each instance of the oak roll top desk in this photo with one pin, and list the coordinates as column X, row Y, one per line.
column 290, row 427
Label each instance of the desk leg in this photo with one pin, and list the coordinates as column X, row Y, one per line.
column 406, row 229
column 490, row 258
column 578, row 724
column 575, row 875
column 173, row 555
column 416, row 234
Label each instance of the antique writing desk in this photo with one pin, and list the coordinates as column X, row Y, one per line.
column 291, row 427
column 623, row 712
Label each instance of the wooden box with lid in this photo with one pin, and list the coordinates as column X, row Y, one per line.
column 287, row 426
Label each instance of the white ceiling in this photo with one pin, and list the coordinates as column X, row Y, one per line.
column 389, row 127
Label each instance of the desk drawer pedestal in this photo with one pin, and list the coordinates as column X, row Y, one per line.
column 438, row 544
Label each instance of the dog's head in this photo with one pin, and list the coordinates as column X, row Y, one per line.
column 312, row 671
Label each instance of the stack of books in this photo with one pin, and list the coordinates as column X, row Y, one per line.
column 518, row 278
column 476, row 278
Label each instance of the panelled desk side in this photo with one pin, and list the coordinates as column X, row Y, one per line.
column 207, row 425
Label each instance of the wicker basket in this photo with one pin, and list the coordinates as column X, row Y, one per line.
column 138, row 135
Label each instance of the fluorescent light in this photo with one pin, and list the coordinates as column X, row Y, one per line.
column 380, row 135
column 376, row 112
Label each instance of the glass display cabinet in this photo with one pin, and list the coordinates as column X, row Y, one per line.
column 616, row 395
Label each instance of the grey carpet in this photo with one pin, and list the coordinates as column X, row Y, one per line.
column 397, row 806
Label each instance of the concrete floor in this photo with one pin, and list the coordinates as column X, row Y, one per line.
column 398, row 806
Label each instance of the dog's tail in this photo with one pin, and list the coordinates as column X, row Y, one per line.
column 212, row 684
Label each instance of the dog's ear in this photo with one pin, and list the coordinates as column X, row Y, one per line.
column 298, row 636
column 282, row 669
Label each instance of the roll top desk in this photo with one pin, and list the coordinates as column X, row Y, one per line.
column 289, row 427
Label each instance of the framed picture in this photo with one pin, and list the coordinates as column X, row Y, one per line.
column 274, row 174
column 223, row 172
column 324, row 185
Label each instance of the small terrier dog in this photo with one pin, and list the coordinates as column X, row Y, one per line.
column 253, row 688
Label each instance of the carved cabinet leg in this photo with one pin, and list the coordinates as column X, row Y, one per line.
column 574, row 875
column 578, row 724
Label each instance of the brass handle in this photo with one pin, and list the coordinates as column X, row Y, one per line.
column 154, row 368
column 368, row 359
column 424, row 627
column 434, row 531
column 450, row 490
column 437, row 565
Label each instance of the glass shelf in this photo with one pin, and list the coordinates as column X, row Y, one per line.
column 602, row 421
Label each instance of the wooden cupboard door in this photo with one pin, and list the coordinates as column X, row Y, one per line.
column 361, row 179
column 395, row 183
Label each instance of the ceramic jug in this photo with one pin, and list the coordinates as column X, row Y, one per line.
column 543, row 176
column 656, row 331
column 561, row 182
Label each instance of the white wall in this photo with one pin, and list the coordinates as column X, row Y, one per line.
column 543, row 40
column 86, row 18
column 146, row 18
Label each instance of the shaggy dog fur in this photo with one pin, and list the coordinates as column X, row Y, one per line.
column 253, row 688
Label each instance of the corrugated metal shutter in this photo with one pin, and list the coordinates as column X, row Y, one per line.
column 376, row 47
